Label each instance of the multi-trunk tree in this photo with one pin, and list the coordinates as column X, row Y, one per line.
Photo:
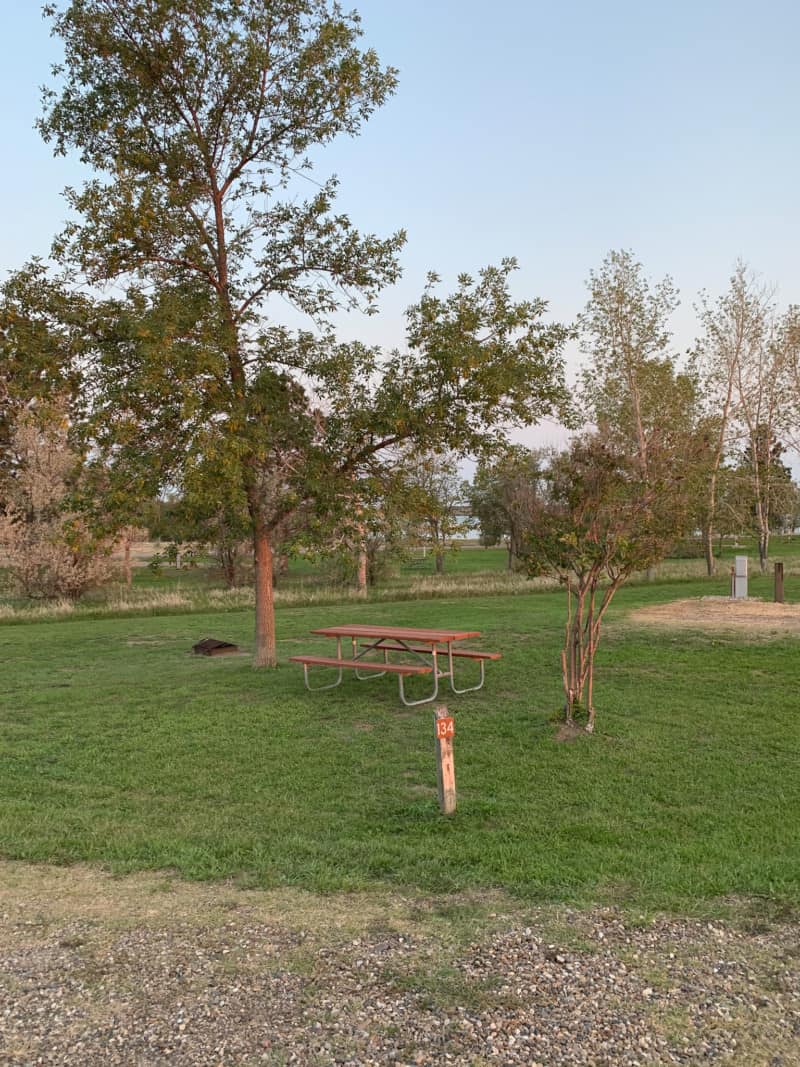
column 601, row 520
column 618, row 499
column 734, row 330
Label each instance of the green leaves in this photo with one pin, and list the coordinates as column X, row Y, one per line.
column 197, row 116
column 478, row 360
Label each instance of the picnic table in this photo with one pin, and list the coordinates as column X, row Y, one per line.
column 424, row 651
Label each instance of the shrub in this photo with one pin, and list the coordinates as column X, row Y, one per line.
column 52, row 553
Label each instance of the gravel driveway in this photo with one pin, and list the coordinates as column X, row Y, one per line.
column 146, row 970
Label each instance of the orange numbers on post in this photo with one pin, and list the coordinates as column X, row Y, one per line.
column 445, row 728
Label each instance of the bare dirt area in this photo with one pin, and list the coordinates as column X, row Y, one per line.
column 759, row 617
column 145, row 970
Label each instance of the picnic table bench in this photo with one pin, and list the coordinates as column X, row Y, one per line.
column 425, row 647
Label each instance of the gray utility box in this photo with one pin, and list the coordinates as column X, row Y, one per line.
column 740, row 578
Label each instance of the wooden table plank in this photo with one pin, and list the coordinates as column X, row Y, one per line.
column 360, row 664
column 400, row 633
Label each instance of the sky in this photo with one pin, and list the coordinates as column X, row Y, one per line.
column 552, row 132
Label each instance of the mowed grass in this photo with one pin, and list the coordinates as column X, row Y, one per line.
column 119, row 747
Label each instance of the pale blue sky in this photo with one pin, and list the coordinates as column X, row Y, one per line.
column 551, row 132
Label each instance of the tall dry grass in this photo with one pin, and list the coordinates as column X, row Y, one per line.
column 124, row 600
column 120, row 601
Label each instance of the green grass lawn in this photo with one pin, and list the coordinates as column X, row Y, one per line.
column 119, row 747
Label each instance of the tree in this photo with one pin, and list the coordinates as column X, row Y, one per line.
column 51, row 550
column 787, row 336
column 625, row 332
column 42, row 350
column 761, row 463
column 735, row 330
column 218, row 526
column 506, row 497
column 365, row 546
column 762, row 386
column 432, row 501
column 198, row 113
column 732, row 513
column 315, row 445
column 197, row 116
column 621, row 496
column 633, row 389
column 600, row 521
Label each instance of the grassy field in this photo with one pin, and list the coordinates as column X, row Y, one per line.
column 119, row 747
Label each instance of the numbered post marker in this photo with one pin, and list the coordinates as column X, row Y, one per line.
column 444, row 731
column 445, row 727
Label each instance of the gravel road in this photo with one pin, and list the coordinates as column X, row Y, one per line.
column 147, row 970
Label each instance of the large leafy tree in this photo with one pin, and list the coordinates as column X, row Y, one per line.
column 473, row 358
column 196, row 117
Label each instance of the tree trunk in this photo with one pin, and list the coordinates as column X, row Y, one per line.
column 265, row 651
column 763, row 548
column 762, row 522
column 510, row 564
column 280, row 569
column 362, row 577
column 127, row 561
column 590, row 665
column 708, row 547
column 712, row 493
column 228, row 559
column 439, row 561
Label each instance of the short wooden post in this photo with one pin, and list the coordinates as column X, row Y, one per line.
column 444, row 731
column 779, row 583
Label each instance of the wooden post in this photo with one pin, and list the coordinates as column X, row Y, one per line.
column 444, row 731
column 779, row 583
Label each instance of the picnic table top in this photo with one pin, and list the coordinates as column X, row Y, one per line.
column 398, row 633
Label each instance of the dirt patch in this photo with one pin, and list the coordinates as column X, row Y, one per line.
column 570, row 732
column 758, row 617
